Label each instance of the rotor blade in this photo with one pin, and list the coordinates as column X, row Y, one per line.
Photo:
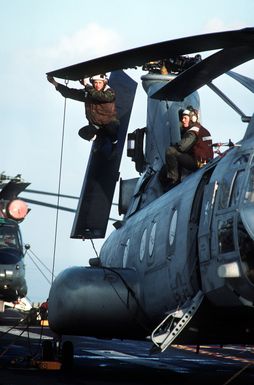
column 167, row 49
column 224, row 97
column 51, row 194
column 12, row 189
column 244, row 80
column 55, row 194
column 204, row 72
column 52, row 206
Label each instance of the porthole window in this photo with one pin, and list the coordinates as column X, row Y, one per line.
column 126, row 253
column 172, row 228
column 152, row 239
column 142, row 246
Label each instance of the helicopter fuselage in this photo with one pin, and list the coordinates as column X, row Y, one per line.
column 197, row 236
column 12, row 268
column 179, row 266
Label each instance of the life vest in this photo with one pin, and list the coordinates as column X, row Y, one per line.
column 100, row 109
column 100, row 113
column 202, row 150
column 103, row 110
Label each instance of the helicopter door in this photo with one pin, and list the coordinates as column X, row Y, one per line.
column 206, row 220
column 102, row 172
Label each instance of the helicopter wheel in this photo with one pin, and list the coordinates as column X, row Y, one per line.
column 67, row 355
column 48, row 353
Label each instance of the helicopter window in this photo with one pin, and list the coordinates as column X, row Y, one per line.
column 126, row 253
column 9, row 238
column 246, row 245
column 230, row 189
column 142, row 246
column 237, row 187
column 225, row 235
column 225, row 190
column 172, row 228
column 152, row 239
column 249, row 196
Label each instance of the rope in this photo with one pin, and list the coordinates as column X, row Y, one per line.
column 94, row 248
column 39, row 260
column 36, row 264
column 59, row 188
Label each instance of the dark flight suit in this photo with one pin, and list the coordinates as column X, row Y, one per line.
column 191, row 153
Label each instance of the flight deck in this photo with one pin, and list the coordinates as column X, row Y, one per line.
column 99, row 361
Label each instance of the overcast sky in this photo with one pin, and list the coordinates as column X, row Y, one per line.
column 37, row 37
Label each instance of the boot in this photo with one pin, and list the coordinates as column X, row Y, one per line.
column 166, row 180
column 88, row 132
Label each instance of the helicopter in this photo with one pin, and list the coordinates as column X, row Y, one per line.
column 13, row 210
column 178, row 266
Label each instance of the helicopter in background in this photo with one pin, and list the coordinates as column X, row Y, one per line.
column 13, row 285
column 179, row 266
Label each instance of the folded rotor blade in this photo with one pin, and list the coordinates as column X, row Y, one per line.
column 50, row 205
column 56, row 195
column 53, row 206
column 167, row 49
column 51, row 194
column 244, row 80
column 229, row 102
column 204, row 72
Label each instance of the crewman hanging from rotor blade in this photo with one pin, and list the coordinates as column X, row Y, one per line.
column 100, row 107
column 192, row 152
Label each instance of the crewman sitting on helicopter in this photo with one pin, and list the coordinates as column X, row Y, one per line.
column 192, row 152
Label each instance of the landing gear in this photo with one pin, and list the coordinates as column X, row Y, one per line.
column 62, row 352
column 48, row 351
column 67, row 355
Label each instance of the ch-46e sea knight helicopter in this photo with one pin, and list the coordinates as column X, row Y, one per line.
column 13, row 210
column 179, row 266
